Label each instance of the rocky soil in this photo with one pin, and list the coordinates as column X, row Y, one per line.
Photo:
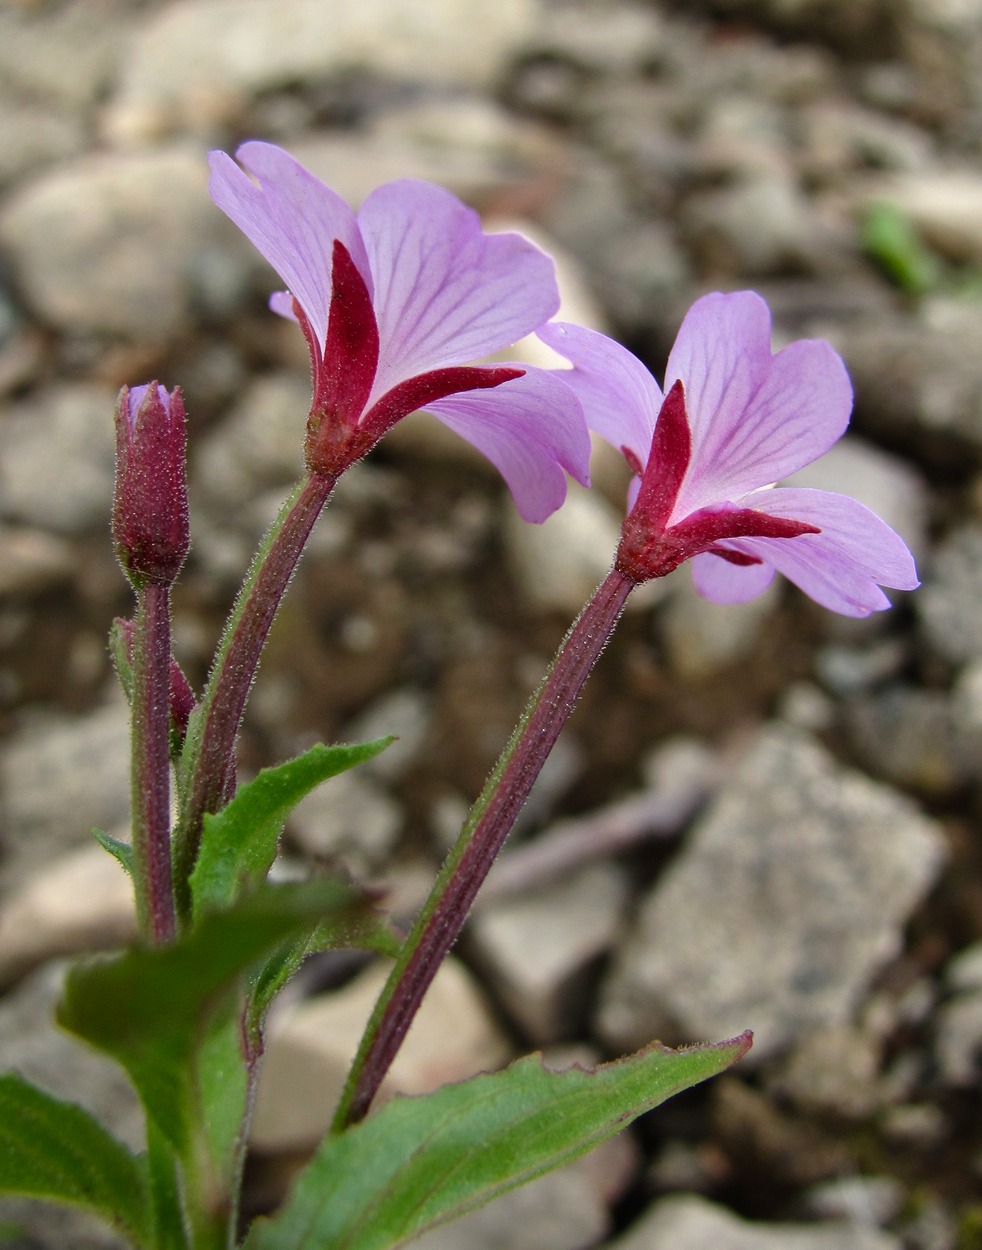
column 761, row 816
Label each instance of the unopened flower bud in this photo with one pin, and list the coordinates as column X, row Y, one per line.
column 150, row 509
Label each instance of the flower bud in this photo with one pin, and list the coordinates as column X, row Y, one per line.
column 150, row 509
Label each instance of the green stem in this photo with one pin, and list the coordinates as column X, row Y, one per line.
column 488, row 824
column 207, row 765
column 150, row 764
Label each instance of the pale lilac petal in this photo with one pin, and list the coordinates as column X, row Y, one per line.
column 620, row 398
column 281, row 302
column 720, row 581
column 531, row 429
column 445, row 292
column 754, row 417
column 842, row 567
column 291, row 217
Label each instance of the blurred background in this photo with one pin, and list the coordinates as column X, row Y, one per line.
column 761, row 816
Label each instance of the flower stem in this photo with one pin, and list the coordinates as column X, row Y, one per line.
column 150, row 764
column 209, row 754
column 481, row 838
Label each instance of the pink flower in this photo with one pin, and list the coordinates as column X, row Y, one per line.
column 395, row 301
column 150, row 509
column 733, row 420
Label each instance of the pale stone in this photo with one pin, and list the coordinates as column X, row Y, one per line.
column 80, row 902
column 124, row 245
column 62, row 775
column 69, row 492
column 539, row 949
column 703, row 637
column 31, row 561
column 789, row 894
column 310, row 1046
column 688, row 1222
column 196, row 61
column 560, row 563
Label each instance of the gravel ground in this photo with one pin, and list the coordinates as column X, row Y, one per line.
column 762, row 816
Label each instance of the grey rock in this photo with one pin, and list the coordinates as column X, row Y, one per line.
column 919, row 376
column 949, row 604
column 790, row 893
column 464, row 142
column 82, row 901
column 556, row 1212
column 350, row 820
column 31, row 561
column 560, row 563
column 759, row 226
column 910, row 736
column 310, row 1044
column 65, row 55
column 56, row 472
column 958, row 1025
column 258, row 446
column 539, row 950
column 196, row 62
column 60, row 776
column 831, row 1071
column 633, row 264
column 124, row 245
column 863, row 1200
column 701, row 638
column 404, row 713
column 964, row 972
column 693, row 1223
column 958, row 1039
column 33, row 136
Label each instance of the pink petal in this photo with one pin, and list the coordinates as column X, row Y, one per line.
column 531, row 429
column 620, row 398
column 720, row 581
column 755, row 418
column 842, row 567
column 445, row 292
column 291, row 217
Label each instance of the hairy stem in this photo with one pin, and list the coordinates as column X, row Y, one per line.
column 208, row 760
column 481, row 838
column 150, row 764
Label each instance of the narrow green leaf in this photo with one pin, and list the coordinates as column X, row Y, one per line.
column 239, row 842
column 54, row 1149
column 121, row 851
column 891, row 240
column 149, row 1008
column 419, row 1162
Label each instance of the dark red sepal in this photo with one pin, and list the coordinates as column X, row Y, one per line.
column 343, row 373
column 644, row 554
column 668, row 460
column 417, row 392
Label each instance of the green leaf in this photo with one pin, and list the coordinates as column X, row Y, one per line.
column 150, row 1008
column 55, row 1150
column 239, row 842
column 891, row 240
column 419, row 1162
column 121, row 851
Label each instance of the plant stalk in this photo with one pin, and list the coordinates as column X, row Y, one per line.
column 481, row 838
column 150, row 764
column 209, row 755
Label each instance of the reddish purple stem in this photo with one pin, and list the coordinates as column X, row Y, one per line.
column 151, row 764
column 482, row 837
column 222, row 706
